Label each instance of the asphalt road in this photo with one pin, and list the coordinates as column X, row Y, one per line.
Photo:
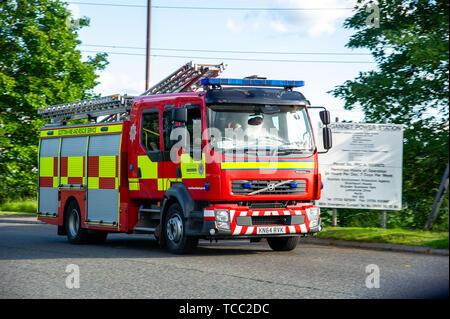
column 33, row 261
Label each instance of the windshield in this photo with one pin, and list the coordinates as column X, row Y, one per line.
column 278, row 129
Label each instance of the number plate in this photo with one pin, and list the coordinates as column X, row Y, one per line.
column 270, row 230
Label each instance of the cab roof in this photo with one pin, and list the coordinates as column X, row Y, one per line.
column 254, row 95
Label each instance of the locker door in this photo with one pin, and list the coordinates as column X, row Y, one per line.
column 103, row 180
column 48, row 177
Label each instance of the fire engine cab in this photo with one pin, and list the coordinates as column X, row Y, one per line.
column 235, row 160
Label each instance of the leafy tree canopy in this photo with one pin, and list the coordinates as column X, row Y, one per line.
column 410, row 46
column 410, row 43
column 39, row 66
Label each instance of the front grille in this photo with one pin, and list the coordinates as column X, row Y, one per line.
column 265, row 205
column 245, row 187
column 270, row 220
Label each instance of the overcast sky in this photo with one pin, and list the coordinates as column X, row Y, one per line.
column 316, row 29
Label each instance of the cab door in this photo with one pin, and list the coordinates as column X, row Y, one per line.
column 145, row 165
column 170, row 168
column 189, row 165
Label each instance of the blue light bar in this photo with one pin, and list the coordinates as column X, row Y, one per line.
column 252, row 82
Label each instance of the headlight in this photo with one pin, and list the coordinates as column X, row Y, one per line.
column 222, row 216
column 222, row 219
column 314, row 216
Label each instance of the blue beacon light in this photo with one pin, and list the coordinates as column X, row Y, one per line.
column 252, row 82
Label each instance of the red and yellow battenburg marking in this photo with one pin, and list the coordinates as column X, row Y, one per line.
column 73, row 170
column 103, row 172
column 150, row 171
column 48, row 172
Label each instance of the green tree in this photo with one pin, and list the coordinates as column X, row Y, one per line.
column 410, row 45
column 39, row 66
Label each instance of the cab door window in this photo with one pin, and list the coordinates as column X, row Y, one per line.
column 150, row 130
column 194, row 127
column 167, row 128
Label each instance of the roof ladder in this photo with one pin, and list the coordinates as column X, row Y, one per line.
column 90, row 108
column 186, row 79
column 117, row 107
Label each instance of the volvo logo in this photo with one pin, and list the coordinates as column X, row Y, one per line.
column 271, row 187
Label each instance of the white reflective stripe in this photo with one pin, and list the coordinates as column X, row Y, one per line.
column 243, row 214
column 308, row 212
column 291, row 229
column 267, row 213
column 286, row 212
column 275, row 213
column 298, row 212
column 303, row 228
column 255, row 213
column 237, row 230
column 208, row 213
column 249, row 230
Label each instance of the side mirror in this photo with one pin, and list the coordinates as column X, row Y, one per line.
column 327, row 140
column 326, row 132
column 325, row 117
column 180, row 114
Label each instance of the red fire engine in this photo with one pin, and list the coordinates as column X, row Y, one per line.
column 242, row 165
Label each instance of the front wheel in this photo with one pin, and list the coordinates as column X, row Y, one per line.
column 175, row 231
column 283, row 243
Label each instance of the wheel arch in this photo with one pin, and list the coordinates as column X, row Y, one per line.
column 66, row 204
column 178, row 193
column 62, row 224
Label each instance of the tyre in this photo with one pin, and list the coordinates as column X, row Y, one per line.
column 72, row 217
column 283, row 243
column 175, row 231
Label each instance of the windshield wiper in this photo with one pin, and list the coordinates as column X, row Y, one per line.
column 292, row 151
column 267, row 151
column 256, row 150
column 274, row 138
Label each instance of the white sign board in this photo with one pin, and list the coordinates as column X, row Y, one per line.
column 364, row 167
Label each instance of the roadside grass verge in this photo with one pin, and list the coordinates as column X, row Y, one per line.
column 438, row 240
column 19, row 207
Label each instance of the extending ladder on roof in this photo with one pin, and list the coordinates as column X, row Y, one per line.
column 117, row 107
column 90, row 109
column 187, row 78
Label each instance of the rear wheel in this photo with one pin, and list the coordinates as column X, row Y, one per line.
column 283, row 243
column 175, row 231
column 75, row 234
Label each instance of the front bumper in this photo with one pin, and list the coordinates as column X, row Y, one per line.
column 302, row 219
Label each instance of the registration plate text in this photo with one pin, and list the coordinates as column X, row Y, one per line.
column 270, row 230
